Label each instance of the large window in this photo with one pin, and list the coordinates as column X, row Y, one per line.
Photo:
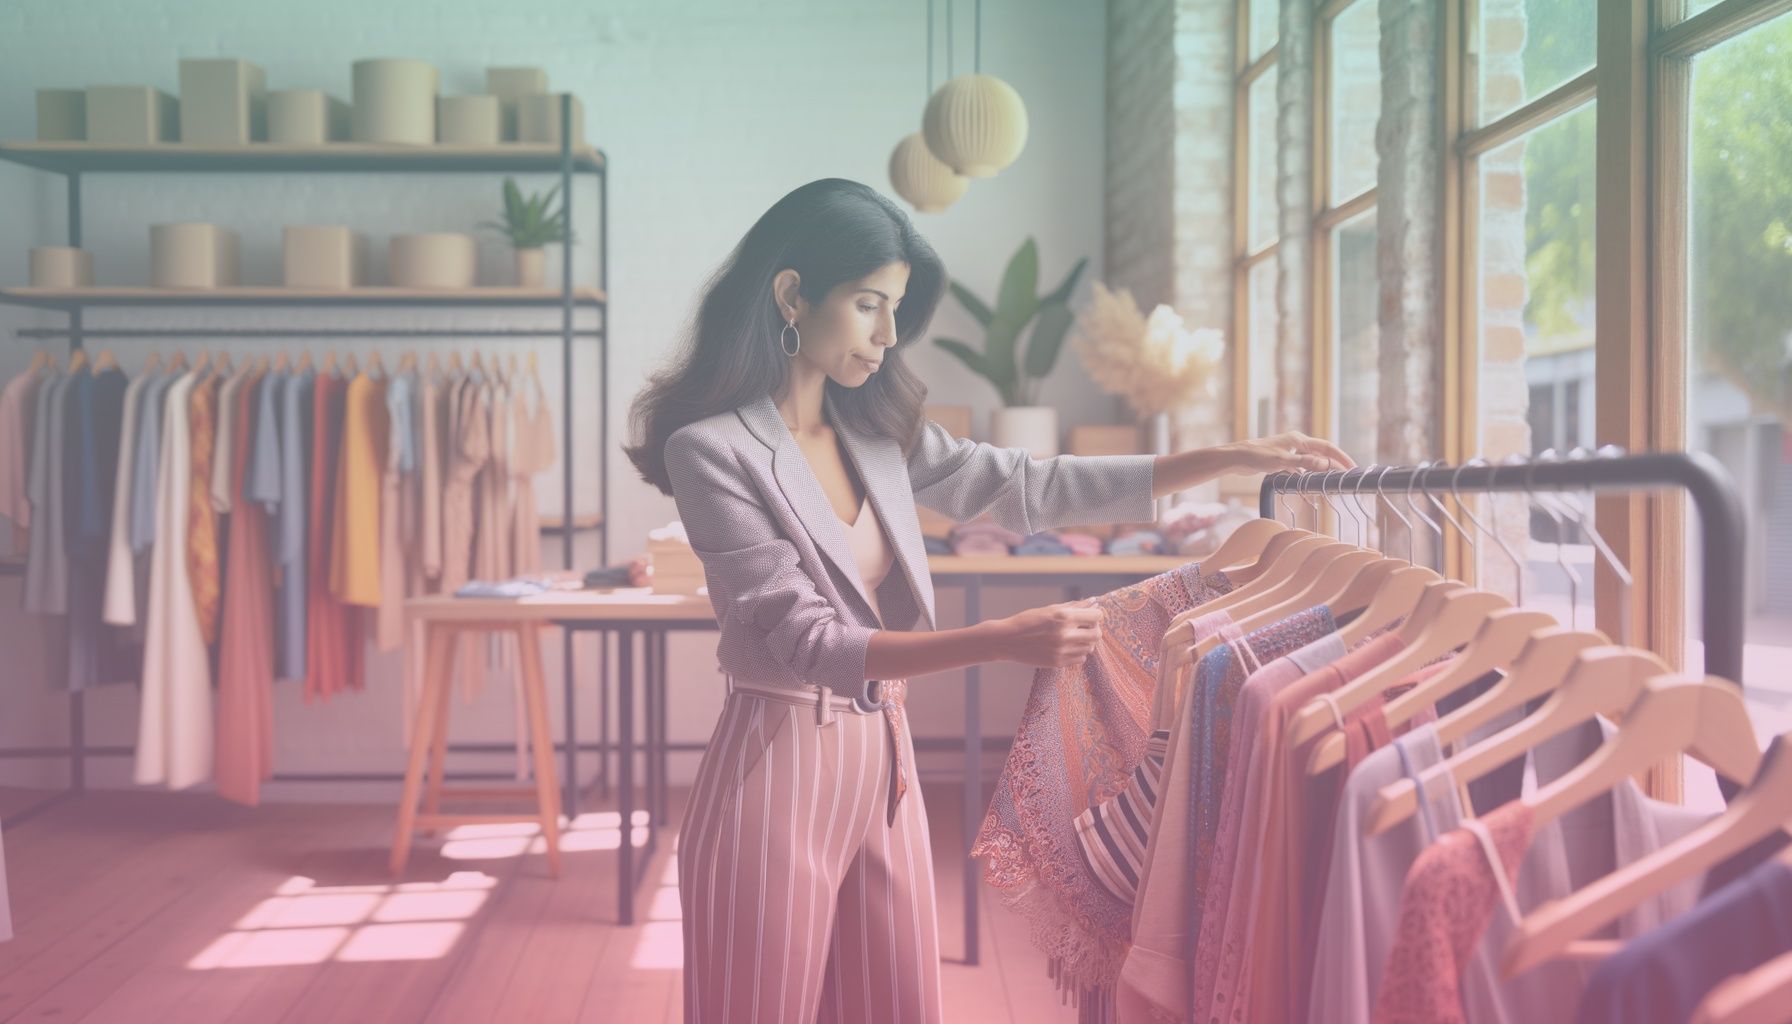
column 1255, row 217
column 1736, row 182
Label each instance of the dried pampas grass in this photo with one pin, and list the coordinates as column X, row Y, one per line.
column 1156, row 363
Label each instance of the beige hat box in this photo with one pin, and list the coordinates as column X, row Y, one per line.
column 61, row 266
column 192, row 256
column 61, row 115
column 324, row 256
column 469, row 120
column 306, row 117
column 222, row 102
column 131, row 115
column 395, row 101
column 437, row 260
column 510, row 85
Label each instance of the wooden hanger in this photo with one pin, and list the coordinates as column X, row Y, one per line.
column 349, row 368
column 407, row 362
column 105, row 360
column 179, row 363
column 1496, row 645
column 1599, row 681
column 1397, row 599
column 329, row 363
column 1271, row 581
column 1702, row 716
column 221, row 365
column 434, row 365
column 200, row 364
column 153, row 364
column 1445, row 620
column 1758, row 997
column 1540, row 668
column 1301, row 577
column 37, row 362
column 304, row 363
column 375, row 366
column 280, row 362
column 454, row 364
column 1332, row 582
column 77, row 360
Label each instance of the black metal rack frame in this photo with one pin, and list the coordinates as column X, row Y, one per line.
column 73, row 161
column 1723, row 533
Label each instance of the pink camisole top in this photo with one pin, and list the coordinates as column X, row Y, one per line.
column 871, row 550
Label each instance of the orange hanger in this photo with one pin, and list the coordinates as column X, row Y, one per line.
column 407, row 362
column 77, row 360
column 1599, row 681
column 348, row 365
column 1454, row 617
column 1699, row 715
column 375, row 366
column 454, row 364
column 433, row 366
column 153, row 364
column 329, row 363
column 1540, row 669
column 1496, row 645
column 280, row 363
column 105, row 360
column 179, row 363
column 304, row 363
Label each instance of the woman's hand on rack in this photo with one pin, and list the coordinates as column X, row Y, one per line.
column 1055, row 636
column 1288, row 451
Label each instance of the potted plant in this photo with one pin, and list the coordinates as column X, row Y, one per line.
column 529, row 224
column 1019, row 423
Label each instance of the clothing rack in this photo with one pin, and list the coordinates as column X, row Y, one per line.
column 567, row 299
column 1722, row 529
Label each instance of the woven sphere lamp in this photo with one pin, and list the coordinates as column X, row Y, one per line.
column 976, row 124
column 921, row 178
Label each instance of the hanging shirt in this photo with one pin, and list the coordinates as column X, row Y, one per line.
column 94, row 413
column 245, row 721
column 46, row 563
column 355, row 547
column 120, row 607
column 397, row 531
column 202, row 519
column 297, row 402
column 146, row 471
column 15, row 452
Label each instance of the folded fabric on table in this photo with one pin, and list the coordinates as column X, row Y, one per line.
column 936, row 545
column 1042, row 544
column 608, row 576
column 1142, row 542
column 983, row 538
column 1081, row 543
column 499, row 588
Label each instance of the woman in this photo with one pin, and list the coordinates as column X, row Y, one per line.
column 791, row 436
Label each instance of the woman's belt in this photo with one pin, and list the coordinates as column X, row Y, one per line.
column 822, row 698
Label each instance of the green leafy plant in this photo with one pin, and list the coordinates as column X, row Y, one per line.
column 528, row 222
column 1018, row 305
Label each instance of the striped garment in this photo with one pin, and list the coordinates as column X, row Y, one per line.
column 1081, row 737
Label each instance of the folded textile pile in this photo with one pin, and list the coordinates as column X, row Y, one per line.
column 1046, row 543
column 1084, row 544
column 983, row 537
column 1141, row 542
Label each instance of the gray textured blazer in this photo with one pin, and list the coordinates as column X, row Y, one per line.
column 781, row 575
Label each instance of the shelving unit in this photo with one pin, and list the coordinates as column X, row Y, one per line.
column 75, row 160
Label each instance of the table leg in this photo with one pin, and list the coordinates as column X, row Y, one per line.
column 973, row 774
column 541, row 742
column 437, row 664
column 650, row 677
column 569, row 703
column 625, row 775
column 665, row 691
column 438, row 747
column 603, row 714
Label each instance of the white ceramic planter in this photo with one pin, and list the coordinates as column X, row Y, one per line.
column 395, row 101
column 222, row 102
column 468, row 120
column 306, row 117
column 61, row 266
column 1030, row 427
column 192, row 255
column 441, row 260
column 321, row 256
column 532, row 267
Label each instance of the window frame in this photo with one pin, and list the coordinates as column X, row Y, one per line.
column 1245, row 72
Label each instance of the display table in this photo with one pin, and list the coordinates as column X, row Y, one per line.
column 629, row 612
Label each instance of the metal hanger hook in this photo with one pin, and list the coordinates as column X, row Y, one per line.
column 1384, row 502
column 1412, row 479
column 1493, row 513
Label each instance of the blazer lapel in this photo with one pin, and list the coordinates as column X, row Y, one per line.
column 880, row 467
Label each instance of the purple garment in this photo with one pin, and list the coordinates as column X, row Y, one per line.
column 1665, row 974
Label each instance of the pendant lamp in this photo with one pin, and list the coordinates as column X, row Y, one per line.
column 976, row 123
column 916, row 174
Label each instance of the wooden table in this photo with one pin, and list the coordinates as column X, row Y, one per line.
column 632, row 611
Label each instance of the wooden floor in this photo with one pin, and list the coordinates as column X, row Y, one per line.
column 176, row 907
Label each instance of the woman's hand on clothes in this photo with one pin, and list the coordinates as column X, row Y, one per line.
column 1055, row 636
column 1290, row 450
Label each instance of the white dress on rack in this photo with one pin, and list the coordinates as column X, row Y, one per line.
column 174, row 731
column 120, row 607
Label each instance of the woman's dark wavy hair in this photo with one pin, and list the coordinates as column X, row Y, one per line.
column 830, row 232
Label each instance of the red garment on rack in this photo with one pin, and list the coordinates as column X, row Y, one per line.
column 332, row 632
column 245, row 721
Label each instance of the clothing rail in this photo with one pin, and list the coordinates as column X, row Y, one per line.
column 1722, row 533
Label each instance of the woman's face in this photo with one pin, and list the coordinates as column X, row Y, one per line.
column 846, row 334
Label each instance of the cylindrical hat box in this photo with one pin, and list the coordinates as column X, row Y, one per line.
column 434, row 260
column 61, row 266
column 191, row 255
column 299, row 117
column 395, row 101
column 468, row 120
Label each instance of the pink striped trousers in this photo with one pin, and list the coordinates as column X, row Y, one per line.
column 805, row 895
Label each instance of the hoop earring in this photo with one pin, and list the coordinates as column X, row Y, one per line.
column 790, row 328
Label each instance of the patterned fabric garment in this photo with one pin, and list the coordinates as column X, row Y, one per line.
column 1115, row 835
column 1449, row 898
column 1081, row 735
column 202, row 518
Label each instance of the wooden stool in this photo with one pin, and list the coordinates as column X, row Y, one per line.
column 429, row 744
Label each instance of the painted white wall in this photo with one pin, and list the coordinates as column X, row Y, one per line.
column 709, row 112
